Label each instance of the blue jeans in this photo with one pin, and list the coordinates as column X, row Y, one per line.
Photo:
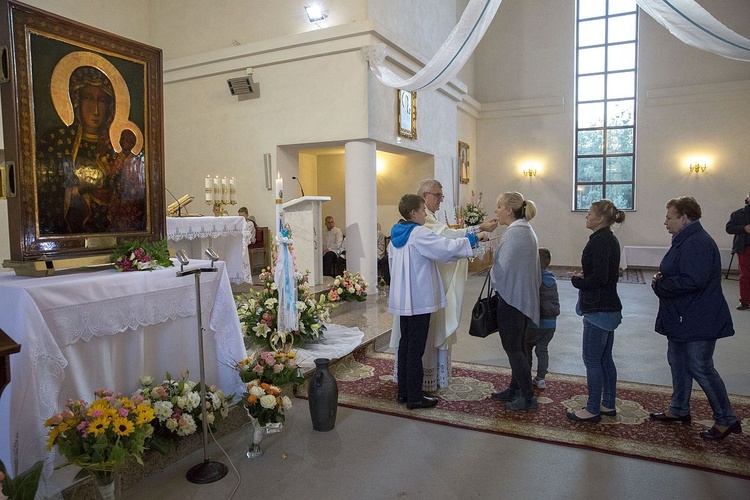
column 694, row 360
column 538, row 339
column 601, row 374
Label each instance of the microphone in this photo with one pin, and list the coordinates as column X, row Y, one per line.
column 300, row 185
column 179, row 205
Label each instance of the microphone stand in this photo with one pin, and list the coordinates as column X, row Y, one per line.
column 300, row 185
column 208, row 471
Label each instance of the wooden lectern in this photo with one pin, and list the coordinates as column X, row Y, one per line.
column 304, row 216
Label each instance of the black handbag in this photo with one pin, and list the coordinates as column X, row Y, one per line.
column 484, row 313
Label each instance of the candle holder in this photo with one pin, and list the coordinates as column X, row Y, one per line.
column 219, row 208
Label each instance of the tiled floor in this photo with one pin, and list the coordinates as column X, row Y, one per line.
column 370, row 455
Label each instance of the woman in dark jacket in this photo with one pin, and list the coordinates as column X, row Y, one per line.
column 692, row 315
column 600, row 307
column 739, row 226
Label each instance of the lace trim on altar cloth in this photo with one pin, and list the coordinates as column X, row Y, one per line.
column 207, row 230
column 111, row 316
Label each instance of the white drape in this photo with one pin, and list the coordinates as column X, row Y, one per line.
column 685, row 19
column 693, row 25
column 451, row 56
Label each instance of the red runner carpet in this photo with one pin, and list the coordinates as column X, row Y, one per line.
column 365, row 381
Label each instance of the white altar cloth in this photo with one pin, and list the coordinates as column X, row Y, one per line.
column 90, row 330
column 228, row 236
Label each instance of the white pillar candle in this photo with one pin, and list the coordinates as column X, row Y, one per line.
column 279, row 201
column 217, row 189
column 224, row 190
column 209, row 190
column 232, row 191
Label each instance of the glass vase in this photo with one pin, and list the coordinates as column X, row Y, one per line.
column 258, row 431
column 106, row 485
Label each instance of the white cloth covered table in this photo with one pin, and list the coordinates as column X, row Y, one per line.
column 228, row 236
column 90, row 330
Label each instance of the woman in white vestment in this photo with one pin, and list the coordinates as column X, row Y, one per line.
column 444, row 322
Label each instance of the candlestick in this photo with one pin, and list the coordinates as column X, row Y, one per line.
column 209, row 190
column 232, row 191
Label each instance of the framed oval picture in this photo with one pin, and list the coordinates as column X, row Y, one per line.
column 407, row 114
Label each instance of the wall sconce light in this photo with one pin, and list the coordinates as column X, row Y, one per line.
column 530, row 168
column 315, row 13
column 531, row 172
column 697, row 167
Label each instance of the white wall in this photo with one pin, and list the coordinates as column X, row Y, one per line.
column 689, row 103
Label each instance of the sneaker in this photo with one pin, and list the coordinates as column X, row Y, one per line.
column 522, row 404
column 742, row 306
column 506, row 395
column 539, row 383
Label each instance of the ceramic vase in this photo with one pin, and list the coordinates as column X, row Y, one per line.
column 323, row 396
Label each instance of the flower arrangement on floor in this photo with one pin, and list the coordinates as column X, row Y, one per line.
column 141, row 256
column 278, row 368
column 258, row 312
column 472, row 213
column 177, row 409
column 99, row 437
column 347, row 286
column 265, row 402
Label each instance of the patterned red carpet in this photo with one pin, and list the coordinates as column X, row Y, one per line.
column 365, row 381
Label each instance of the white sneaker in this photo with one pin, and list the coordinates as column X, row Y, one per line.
column 539, row 383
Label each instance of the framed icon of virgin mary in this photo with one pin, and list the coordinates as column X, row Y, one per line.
column 82, row 122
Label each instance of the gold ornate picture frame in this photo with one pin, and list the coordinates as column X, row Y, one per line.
column 463, row 162
column 407, row 114
column 82, row 122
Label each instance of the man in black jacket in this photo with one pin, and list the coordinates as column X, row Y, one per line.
column 739, row 226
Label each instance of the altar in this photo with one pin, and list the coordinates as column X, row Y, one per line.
column 90, row 330
column 228, row 236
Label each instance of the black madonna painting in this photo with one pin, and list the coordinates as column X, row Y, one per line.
column 89, row 147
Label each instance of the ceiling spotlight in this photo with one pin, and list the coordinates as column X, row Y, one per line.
column 316, row 13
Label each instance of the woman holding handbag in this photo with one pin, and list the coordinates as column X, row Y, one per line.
column 516, row 278
column 601, row 309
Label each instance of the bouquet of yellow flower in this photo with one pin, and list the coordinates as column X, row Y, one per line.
column 347, row 286
column 99, row 437
column 278, row 368
column 176, row 405
column 258, row 312
column 472, row 213
column 265, row 402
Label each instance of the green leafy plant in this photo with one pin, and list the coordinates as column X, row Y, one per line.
column 24, row 485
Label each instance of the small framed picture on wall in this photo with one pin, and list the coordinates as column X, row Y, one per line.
column 463, row 162
column 407, row 114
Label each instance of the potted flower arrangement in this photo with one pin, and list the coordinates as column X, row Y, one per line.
column 258, row 312
column 141, row 256
column 176, row 406
column 265, row 404
column 348, row 286
column 99, row 437
column 278, row 368
column 472, row 213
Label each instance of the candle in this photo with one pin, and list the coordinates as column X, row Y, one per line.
column 279, row 186
column 224, row 190
column 279, row 209
column 209, row 190
column 232, row 191
column 217, row 190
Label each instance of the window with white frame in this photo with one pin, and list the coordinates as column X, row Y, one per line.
column 606, row 62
